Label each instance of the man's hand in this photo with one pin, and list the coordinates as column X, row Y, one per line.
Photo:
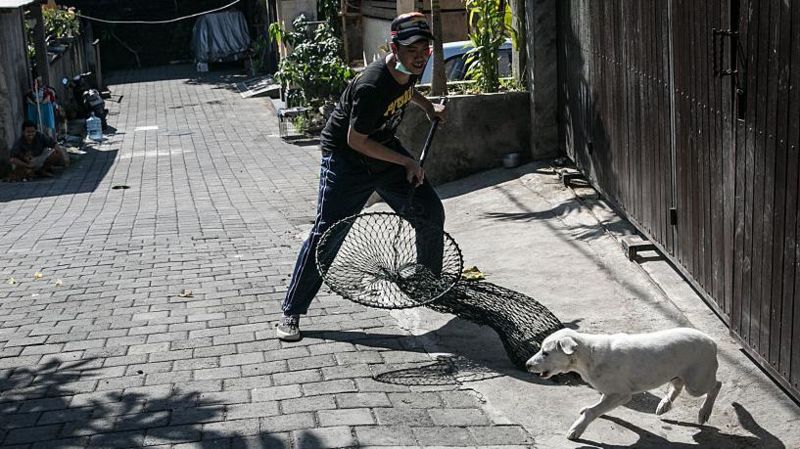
column 414, row 173
column 438, row 111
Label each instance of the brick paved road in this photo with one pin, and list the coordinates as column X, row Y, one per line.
column 116, row 356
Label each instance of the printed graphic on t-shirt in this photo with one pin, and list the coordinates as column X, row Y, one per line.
column 395, row 110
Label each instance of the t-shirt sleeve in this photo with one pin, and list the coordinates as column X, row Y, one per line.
column 367, row 109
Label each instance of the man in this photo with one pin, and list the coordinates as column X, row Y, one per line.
column 35, row 153
column 361, row 155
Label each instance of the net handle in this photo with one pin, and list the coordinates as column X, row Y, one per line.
column 409, row 208
column 431, row 132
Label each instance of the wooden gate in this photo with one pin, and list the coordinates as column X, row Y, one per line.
column 686, row 115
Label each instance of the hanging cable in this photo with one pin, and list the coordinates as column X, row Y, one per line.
column 155, row 22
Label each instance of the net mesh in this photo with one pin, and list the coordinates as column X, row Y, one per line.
column 521, row 322
column 383, row 260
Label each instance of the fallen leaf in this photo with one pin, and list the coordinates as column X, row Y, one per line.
column 185, row 293
column 11, row 281
column 59, row 283
column 472, row 274
column 37, row 275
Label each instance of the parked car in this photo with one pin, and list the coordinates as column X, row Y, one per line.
column 455, row 58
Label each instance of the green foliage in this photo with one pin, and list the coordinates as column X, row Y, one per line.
column 328, row 10
column 59, row 22
column 260, row 46
column 313, row 71
column 489, row 27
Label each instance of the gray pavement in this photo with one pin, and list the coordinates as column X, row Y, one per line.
column 121, row 354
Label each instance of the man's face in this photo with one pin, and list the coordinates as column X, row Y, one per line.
column 414, row 56
column 29, row 133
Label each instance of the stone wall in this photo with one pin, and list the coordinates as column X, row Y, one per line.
column 479, row 131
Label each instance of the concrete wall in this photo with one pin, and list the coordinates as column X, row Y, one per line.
column 480, row 129
column 13, row 78
column 288, row 10
column 542, row 77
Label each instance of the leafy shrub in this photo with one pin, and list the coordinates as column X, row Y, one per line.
column 313, row 71
column 490, row 24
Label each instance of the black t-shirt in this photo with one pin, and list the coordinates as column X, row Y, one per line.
column 23, row 149
column 373, row 104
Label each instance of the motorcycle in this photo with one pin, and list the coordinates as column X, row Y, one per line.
column 87, row 98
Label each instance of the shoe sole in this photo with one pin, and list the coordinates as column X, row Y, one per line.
column 288, row 337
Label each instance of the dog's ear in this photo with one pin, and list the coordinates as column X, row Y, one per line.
column 568, row 345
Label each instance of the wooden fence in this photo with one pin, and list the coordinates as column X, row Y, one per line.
column 686, row 115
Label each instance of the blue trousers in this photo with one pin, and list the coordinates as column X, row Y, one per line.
column 346, row 181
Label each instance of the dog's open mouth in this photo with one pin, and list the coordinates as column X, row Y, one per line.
column 545, row 374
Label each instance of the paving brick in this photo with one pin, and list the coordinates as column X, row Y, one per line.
column 171, row 435
column 276, row 393
column 297, row 377
column 253, row 410
column 308, row 404
column 405, row 416
column 416, row 399
column 217, row 373
column 355, row 400
column 321, row 438
column 242, row 359
column 32, row 434
column 328, row 387
column 345, row 417
column 459, row 417
column 244, row 383
column 385, row 435
column 501, row 435
column 283, row 423
column 443, row 436
column 236, row 427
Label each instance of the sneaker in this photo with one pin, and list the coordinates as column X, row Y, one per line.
column 289, row 328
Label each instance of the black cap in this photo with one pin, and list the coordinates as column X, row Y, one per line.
column 409, row 28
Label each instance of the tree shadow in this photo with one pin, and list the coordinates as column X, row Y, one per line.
column 62, row 405
column 706, row 437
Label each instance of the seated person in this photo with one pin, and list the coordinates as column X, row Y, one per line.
column 35, row 153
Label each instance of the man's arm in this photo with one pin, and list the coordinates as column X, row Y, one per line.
column 20, row 163
column 431, row 110
column 364, row 145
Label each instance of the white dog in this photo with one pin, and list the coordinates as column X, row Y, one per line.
column 620, row 365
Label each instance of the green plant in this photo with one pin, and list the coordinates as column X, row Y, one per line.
column 313, row 72
column 260, row 47
column 61, row 22
column 489, row 27
column 328, row 10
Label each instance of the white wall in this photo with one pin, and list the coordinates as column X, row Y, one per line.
column 376, row 34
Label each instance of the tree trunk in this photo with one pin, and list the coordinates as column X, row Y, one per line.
column 439, row 82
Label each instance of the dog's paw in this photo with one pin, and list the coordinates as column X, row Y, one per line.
column 663, row 407
column 574, row 434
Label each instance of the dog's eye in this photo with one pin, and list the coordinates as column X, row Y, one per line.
column 545, row 353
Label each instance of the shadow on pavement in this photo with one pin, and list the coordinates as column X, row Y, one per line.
column 83, row 176
column 707, row 436
column 222, row 75
column 54, row 403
